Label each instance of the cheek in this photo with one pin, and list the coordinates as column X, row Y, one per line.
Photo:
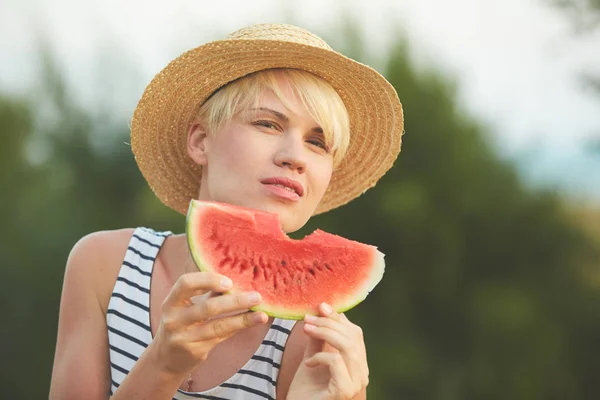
column 322, row 177
column 237, row 154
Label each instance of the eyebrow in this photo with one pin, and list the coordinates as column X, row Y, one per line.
column 283, row 117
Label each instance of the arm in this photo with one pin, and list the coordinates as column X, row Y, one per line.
column 81, row 367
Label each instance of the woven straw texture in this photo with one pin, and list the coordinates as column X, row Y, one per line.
column 172, row 100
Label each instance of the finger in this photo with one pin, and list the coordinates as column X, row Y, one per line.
column 358, row 335
column 194, row 284
column 214, row 306
column 334, row 362
column 338, row 371
column 337, row 336
column 325, row 310
column 358, row 366
column 354, row 332
column 314, row 345
column 205, row 296
column 332, row 337
column 330, row 323
column 222, row 328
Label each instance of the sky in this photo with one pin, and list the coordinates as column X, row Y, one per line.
column 518, row 63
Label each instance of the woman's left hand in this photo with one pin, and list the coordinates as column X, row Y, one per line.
column 335, row 360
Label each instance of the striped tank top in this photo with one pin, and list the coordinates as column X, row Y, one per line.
column 128, row 320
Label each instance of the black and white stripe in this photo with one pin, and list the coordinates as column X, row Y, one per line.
column 129, row 333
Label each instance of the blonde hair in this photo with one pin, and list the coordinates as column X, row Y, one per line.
column 319, row 99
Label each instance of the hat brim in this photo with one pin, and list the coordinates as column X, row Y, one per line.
column 172, row 100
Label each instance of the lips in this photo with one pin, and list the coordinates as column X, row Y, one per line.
column 286, row 182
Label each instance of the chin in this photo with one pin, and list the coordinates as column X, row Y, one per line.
column 290, row 219
column 291, row 222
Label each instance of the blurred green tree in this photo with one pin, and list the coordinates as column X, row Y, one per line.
column 484, row 294
column 585, row 13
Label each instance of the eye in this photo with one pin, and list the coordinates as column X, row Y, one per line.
column 266, row 124
column 319, row 143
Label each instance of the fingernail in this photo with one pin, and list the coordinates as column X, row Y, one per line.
column 226, row 283
column 254, row 298
column 326, row 308
column 257, row 318
column 310, row 318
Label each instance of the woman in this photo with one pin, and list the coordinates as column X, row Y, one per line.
column 270, row 118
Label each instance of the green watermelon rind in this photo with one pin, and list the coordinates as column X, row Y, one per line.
column 271, row 309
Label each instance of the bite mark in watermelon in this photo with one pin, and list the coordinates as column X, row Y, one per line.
column 292, row 276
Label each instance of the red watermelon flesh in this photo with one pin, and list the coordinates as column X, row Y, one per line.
column 292, row 276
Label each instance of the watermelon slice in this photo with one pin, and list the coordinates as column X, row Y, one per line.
column 292, row 276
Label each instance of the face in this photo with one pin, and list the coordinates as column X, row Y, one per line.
column 272, row 159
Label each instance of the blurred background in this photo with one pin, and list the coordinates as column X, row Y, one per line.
column 490, row 219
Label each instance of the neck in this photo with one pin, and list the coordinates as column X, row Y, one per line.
column 188, row 262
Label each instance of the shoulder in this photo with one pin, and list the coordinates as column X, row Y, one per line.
column 99, row 242
column 95, row 260
column 97, row 249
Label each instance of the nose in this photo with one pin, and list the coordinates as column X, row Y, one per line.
column 290, row 154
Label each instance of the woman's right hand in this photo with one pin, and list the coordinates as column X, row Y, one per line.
column 188, row 329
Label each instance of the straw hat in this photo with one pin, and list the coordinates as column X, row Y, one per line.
column 173, row 98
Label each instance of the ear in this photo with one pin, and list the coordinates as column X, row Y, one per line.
column 196, row 143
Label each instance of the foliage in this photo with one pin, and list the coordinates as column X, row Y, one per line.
column 585, row 13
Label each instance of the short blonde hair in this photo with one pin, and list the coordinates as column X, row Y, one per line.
column 319, row 99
